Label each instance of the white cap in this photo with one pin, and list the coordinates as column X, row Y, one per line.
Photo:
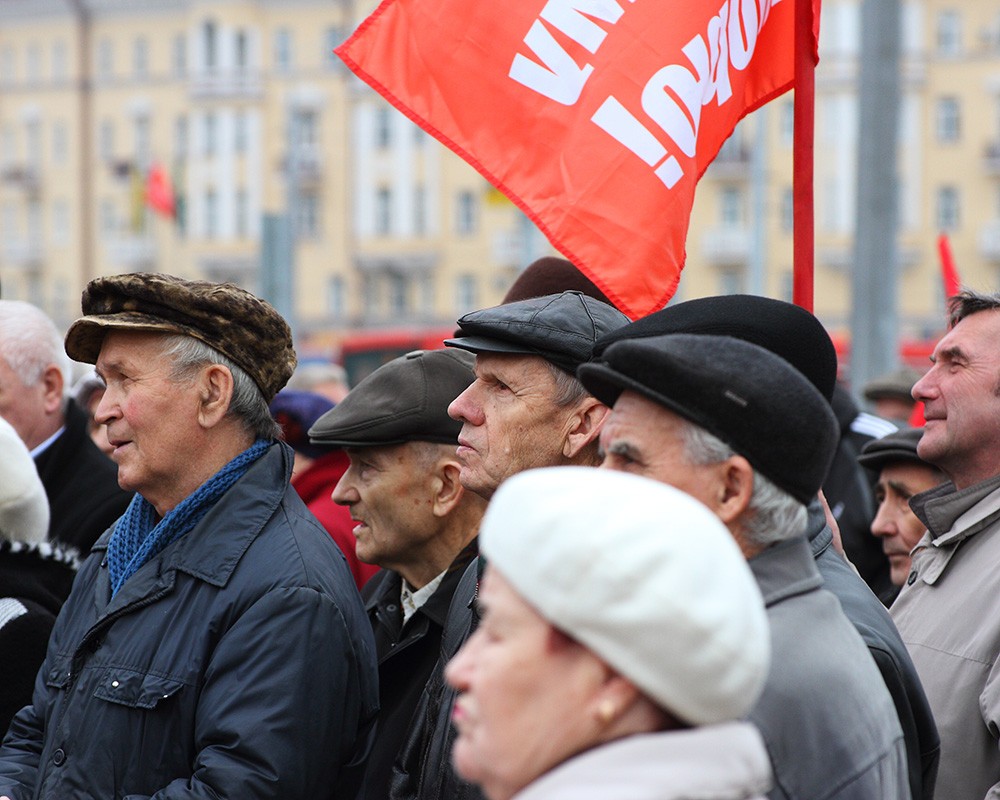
column 643, row 575
column 24, row 507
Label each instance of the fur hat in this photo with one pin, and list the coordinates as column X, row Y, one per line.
column 24, row 506
column 242, row 327
column 641, row 574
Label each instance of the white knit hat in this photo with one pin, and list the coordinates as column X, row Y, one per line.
column 24, row 507
column 644, row 576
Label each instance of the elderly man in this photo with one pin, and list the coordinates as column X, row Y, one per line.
column 214, row 644
column 741, row 430
column 901, row 475
column 948, row 610
column 80, row 483
column 414, row 519
column 525, row 409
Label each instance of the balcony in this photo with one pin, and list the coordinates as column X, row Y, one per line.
column 991, row 159
column 21, row 176
column 24, row 254
column 726, row 245
column 231, row 84
column 732, row 162
column 305, row 169
column 132, row 252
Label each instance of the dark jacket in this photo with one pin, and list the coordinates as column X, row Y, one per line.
column 406, row 656
column 81, row 484
column 34, row 582
column 872, row 621
column 237, row 663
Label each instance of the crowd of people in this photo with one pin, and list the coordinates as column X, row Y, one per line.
column 567, row 555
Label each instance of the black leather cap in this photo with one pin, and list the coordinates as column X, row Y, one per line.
column 750, row 398
column 899, row 445
column 561, row 328
column 783, row 328
column 405, row 400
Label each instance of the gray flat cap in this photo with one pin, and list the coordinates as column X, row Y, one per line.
column 899, row 445
column 405, row 400
column 561, row 328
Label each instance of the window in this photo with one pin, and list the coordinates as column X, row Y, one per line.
column 210, row 130
column 332, row 38
column 307, row 211
column 8, row 146
column 731, row 281
column 947, row 208
column 383, row 211
column 140, row 128
column 33, row 143
column 786, row 120
column 33, row 65
column 307, row 128
column 35, row 221
column 383, row 128
column 60, row 223
column 180, row 137
column 8, row 223
column 949, row 33
column 8, row 63
column 466, row 213
column 211, row 214
column 109, row 217
column 140, row 57
column 465, row 294
column 60, row 70
column 947, row 119
column 283, row 49
column 242, row 51
column 105, row 59
column 420, row 210
column 787, row 209
column 60, row 145
column 179, row 55
column 242, row 211
column 336, row 295
column 397, row 294
column 106, row 140
column 240, row 132
column 731, row 207
column 210, row 46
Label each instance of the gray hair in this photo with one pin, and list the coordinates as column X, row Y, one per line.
column 247, row 404
column 569, row 390
column 30, row 342
column 774, row 514
column 968, row 302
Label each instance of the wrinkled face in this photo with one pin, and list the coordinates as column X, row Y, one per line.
column 389, row 491
column 895, row 523
column 23, row 406
column 523, row 692
column 151, row 418
column 510, row 421
column 961, row 395
column 646, row 439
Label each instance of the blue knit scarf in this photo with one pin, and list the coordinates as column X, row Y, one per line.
column 138, row 537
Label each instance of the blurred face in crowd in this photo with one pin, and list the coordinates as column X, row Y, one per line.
column 30, row 409
column 510, row 421
column 961, row 396
column 524, row 694
column 389, row 491
column 895, row 523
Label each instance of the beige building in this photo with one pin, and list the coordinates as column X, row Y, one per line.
column 243, row 106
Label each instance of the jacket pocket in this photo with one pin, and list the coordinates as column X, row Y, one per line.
column 58, row 676
column 136, row 689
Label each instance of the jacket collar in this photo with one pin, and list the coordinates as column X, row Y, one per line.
column 785, row 569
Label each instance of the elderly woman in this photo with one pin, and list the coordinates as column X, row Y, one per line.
column 622, row 635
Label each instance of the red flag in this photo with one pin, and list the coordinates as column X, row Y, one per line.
column 159, row 191
column 596, row 117
column 949, row 272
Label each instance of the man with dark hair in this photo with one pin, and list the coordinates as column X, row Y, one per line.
column 214, row 644
column 948, row 610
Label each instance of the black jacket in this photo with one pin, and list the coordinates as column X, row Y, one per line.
column 236, row 663
column 34, row 582
column 406, row 656
column 868, row 615
column 81, row 484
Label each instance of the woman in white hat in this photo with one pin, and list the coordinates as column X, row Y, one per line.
column 622, row 635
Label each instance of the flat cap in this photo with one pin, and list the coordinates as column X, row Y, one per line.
column 229, row 319
column 405, row 400
column 895, row 384
column 652, row 583
column 561, row 328
column 751, row 399
column 897, row 446
column 783, row 328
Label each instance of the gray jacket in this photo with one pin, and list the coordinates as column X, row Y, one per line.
column 826, row 716
column 949, row 616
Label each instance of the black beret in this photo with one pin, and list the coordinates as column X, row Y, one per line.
column 405, row 400
column 783, row 328
column 897, row 446
column 296, row 412
column 229, row 319
column 561, row 328
column 745, row 395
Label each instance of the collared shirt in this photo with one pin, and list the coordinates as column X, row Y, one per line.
column 410, row 600
column 47, row 443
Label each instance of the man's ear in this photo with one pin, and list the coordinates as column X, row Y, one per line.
column 735, row 488
column 52, row 389
column 449, row 489
column 215, row 385
column 584, row 425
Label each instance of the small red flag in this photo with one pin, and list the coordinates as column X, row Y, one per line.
column 596, row 117
column 949, row 272
column 159, row 191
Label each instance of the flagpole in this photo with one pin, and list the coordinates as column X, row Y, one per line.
column 802, row 156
